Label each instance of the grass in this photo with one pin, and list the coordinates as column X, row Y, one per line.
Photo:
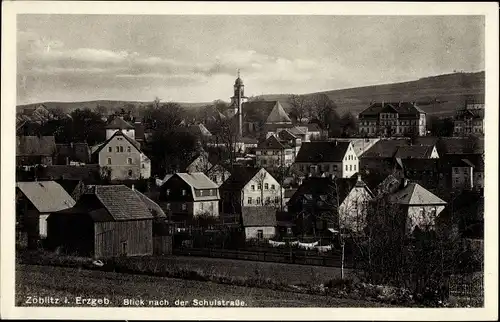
column 71, row 282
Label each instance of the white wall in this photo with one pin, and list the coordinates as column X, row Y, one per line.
column 259, row 193
column 252, row 232
column 129, row 133
column 350, row 163
column 353, row 209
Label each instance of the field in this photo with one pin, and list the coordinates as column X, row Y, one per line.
column 69, row 283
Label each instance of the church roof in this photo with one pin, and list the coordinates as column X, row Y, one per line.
column 278, row 115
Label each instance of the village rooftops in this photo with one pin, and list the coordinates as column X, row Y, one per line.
column 414, row 194
column 35, row 146
column 97, row 148
column 46, row 196
column 119, row 123
column 322, row 151
column 197, row 180
column 414, row 152
column 240, row 176
column 258, row 216
column 278, row 115
column 272, row 143
column 199, row 130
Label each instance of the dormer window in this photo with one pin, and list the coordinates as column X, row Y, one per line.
column 129, row 149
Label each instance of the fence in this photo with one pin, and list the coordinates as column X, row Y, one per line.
column 294, row 257
column 162, row 245
column 470, row 286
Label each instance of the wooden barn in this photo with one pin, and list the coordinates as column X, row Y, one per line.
column 107, row 221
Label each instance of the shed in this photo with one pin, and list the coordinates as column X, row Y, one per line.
column 107, row 221
column 259, row 222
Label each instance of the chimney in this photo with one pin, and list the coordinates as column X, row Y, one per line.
column 67, row 160
column 133, row 187
column 359, row 177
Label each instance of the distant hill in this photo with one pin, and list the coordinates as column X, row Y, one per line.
column 437, row 95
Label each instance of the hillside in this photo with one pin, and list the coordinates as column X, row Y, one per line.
column 437, row 95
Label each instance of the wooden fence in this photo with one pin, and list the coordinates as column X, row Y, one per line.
column 330, row 260
column 162, row 245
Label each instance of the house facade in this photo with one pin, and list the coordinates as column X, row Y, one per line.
column 392, row 119
column 189, row 195
column 34, row 150
column 274, row 153
column 119, row 124
column 467, row 171
column 123, row 157
column 250, row 187
column 327, row 157
column 470, row 119
column 259, row 223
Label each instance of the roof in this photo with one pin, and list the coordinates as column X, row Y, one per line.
column 256, row 111
column 240, row 176
column 258, row 216
column 286, row 135
column 414, row 152
column 35, row 145
column 117, row 133
column 463, row 160
column 74, row 151
column 271, row 143
column 122, row 203
column 46, row 196
column 278, row 115
column 197, row 180
column 477, row 113
column 402, row 108
column 360, row 145
column 153, row 207
column 312, row 127
column 119, row 123
column 199, row 129
column 385, row 148
column 460, row 145
column 421, row 164
column 322, row 151
column 414, row 194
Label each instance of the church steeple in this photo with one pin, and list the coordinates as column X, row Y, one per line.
column 237, row 101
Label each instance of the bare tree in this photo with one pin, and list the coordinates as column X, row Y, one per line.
column 299, row 106
column 227, row 137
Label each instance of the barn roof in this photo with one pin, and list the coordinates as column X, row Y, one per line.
column 153, row 207
column 122, row 203
column 46, row 196
column 258, row 216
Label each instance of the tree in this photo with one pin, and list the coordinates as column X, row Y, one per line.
column 299, row 105
column 349, row 125
column 227, row 137
column 440, row 126
column 101, row 110
column 325, row 110
column 87, row 126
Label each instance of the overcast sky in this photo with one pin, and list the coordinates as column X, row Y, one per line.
column 195, row 58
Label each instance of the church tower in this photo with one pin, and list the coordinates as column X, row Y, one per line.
column 237, row 102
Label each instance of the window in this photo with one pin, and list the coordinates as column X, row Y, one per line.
column 266, row 186
column 260, row 234
column 259, row 186
column 258, row 200
column 252, row 187
column 273, row 187
column 202, row 206
column 289, row 230
column 276, row 199
column 346, row 167
column 168, row 192
column 129, row 160
column 110, row 149
column 268, row 200
column 335, row 167
column 354, row 167
column 129, row 149
column 184, row 206
column 121, row 148
column 350, row 167
column 249, row 201
column 455, row 170
column 130, row 173
column 183, row 192
column 143, row 166
column 124, row 248
column 117, row 149
column 109, row 161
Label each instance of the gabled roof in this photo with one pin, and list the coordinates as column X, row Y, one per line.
column 87, row 172
column 199, row 129
column 414, row 195
column 385, row 148
column 258, row 216
column 197, row 180
column 322, row 151
column 122, row 203
column 286, row 135
column 46, row 196
column 256, row 111
column 134, row 143
column 239, row 178
column 119, row 123
column 271, row 143
column 278, row 115
column 35, row 145
column 414, row 152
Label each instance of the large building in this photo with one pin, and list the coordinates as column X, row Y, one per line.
column 392, row 119
column 470, row 119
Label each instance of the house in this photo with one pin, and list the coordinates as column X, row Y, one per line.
column 259, row 223
column 107, row 221
column 467, row 171
column 469, row 119
column 187, row 195
column 250, row 187
column 119, row 124
column 330, row 157
column 430, row 173
column 416, row 152
column 139, row 132
column 324, row 202
column 33, row 150
column 200, row 131
column 420, row 205
column 274, row 153
column 293, row 140
column 121, row 155
column 360, row 145
column 35, row 201
column 392, row 119
column 199, row 163
column 218, row 174
column 72, row 152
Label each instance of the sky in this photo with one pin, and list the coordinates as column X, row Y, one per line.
column 196, row 58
